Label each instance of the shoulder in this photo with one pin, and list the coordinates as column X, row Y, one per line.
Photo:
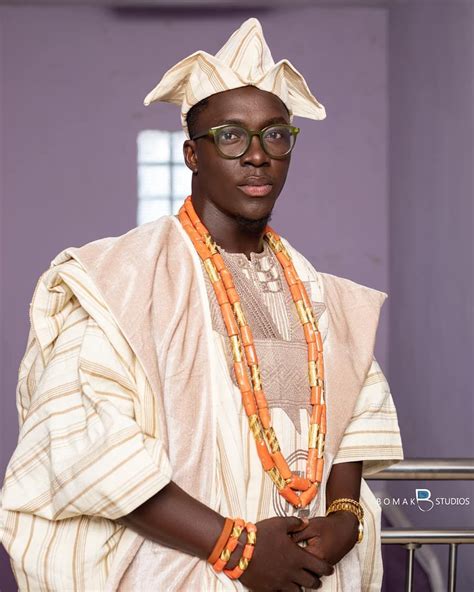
column 332, row 286
column 133, row 244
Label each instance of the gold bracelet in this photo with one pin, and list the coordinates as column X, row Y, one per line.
column 349, row 505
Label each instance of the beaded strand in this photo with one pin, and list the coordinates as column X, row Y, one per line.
column 243, row 347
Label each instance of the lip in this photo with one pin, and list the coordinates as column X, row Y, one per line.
column 256, row 190
column 256, row 186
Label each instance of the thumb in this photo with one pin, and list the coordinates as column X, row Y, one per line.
column 295, row 524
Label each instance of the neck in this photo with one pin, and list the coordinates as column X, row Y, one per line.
column 233, row 233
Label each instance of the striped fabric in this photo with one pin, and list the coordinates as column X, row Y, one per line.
column 82, row 460
column 373, row 434
column 90, row 450
column 245, row 59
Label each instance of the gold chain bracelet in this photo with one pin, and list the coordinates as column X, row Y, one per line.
column 349, row 505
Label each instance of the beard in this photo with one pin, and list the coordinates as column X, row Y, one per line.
column 253, row 226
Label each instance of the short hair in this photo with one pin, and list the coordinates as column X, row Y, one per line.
column 193, row 115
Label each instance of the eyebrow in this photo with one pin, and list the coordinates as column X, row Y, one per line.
column 236, row 121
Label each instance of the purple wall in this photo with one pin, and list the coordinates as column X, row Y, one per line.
column 72, row 114
column 72, row 84
column 431, row 49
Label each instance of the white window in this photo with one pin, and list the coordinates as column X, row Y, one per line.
column 163, row 178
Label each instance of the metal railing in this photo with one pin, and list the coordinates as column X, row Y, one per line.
column 412, row 538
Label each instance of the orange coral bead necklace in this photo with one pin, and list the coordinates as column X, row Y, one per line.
column 298, row 491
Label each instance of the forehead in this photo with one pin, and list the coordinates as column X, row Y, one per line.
column 249, row 105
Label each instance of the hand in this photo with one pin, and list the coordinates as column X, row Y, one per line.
column 330, row 537
column 278, row 563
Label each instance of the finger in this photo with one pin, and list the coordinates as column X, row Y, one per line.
column 316, row 565
column 308, row 580
column 313, row 529
column 291, row 588
column 303, row 524
column 294, row 524
column 305, row 534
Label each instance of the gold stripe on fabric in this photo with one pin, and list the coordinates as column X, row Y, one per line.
column 276, row 86
column 26, row 458
column 374, row 414
column 104, row 372
column 44, row 553
column 115, row 503
column 66, row 328
column 50, row 415
column 117, row 396
column 212, row 74
column 32, row 463
column 228, row 480
column 238, row 49
column 375, row 378
column 33, row 519
column 76, row 566
column 61, row 352
column 150, row 419
column 369, row 431
column 75, row 282
column 31, row 343
column 240, row 52
column 369, row 521
column 93, row 329
column 62, row 390
column 62, row 479
column 190, row 99
column 72, row 432
column 84, row 530
column 91, row 485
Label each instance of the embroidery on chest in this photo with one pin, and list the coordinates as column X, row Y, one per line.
column 278, row 335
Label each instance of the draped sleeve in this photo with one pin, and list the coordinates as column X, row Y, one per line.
column 89, row 441
column 373, row 433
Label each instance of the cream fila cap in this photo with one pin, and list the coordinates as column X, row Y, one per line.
column 244, row 60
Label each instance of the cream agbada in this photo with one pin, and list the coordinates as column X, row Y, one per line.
column 125, row 386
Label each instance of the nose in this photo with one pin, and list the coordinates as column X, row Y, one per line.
column 255, row 154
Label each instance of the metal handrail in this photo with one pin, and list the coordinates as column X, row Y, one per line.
column 412, row 538
column 431, row 536
column 429, row 469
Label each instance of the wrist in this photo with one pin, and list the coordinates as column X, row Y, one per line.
column 349, row 521
column 232, row 561
column 349, row 506
column 237, row 553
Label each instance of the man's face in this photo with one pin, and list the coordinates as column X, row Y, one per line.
column 225, row 182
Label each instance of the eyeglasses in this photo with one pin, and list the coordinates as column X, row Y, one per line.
column 233, row 141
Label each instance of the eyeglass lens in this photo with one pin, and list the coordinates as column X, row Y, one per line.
column 234, row 140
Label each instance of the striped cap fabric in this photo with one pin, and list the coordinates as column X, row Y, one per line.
column 245, row 59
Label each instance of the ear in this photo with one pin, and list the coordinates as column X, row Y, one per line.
column 190, row 155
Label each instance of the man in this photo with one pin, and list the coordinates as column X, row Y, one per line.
column 134, row 443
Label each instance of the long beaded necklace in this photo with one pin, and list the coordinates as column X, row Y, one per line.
column 244, row 354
